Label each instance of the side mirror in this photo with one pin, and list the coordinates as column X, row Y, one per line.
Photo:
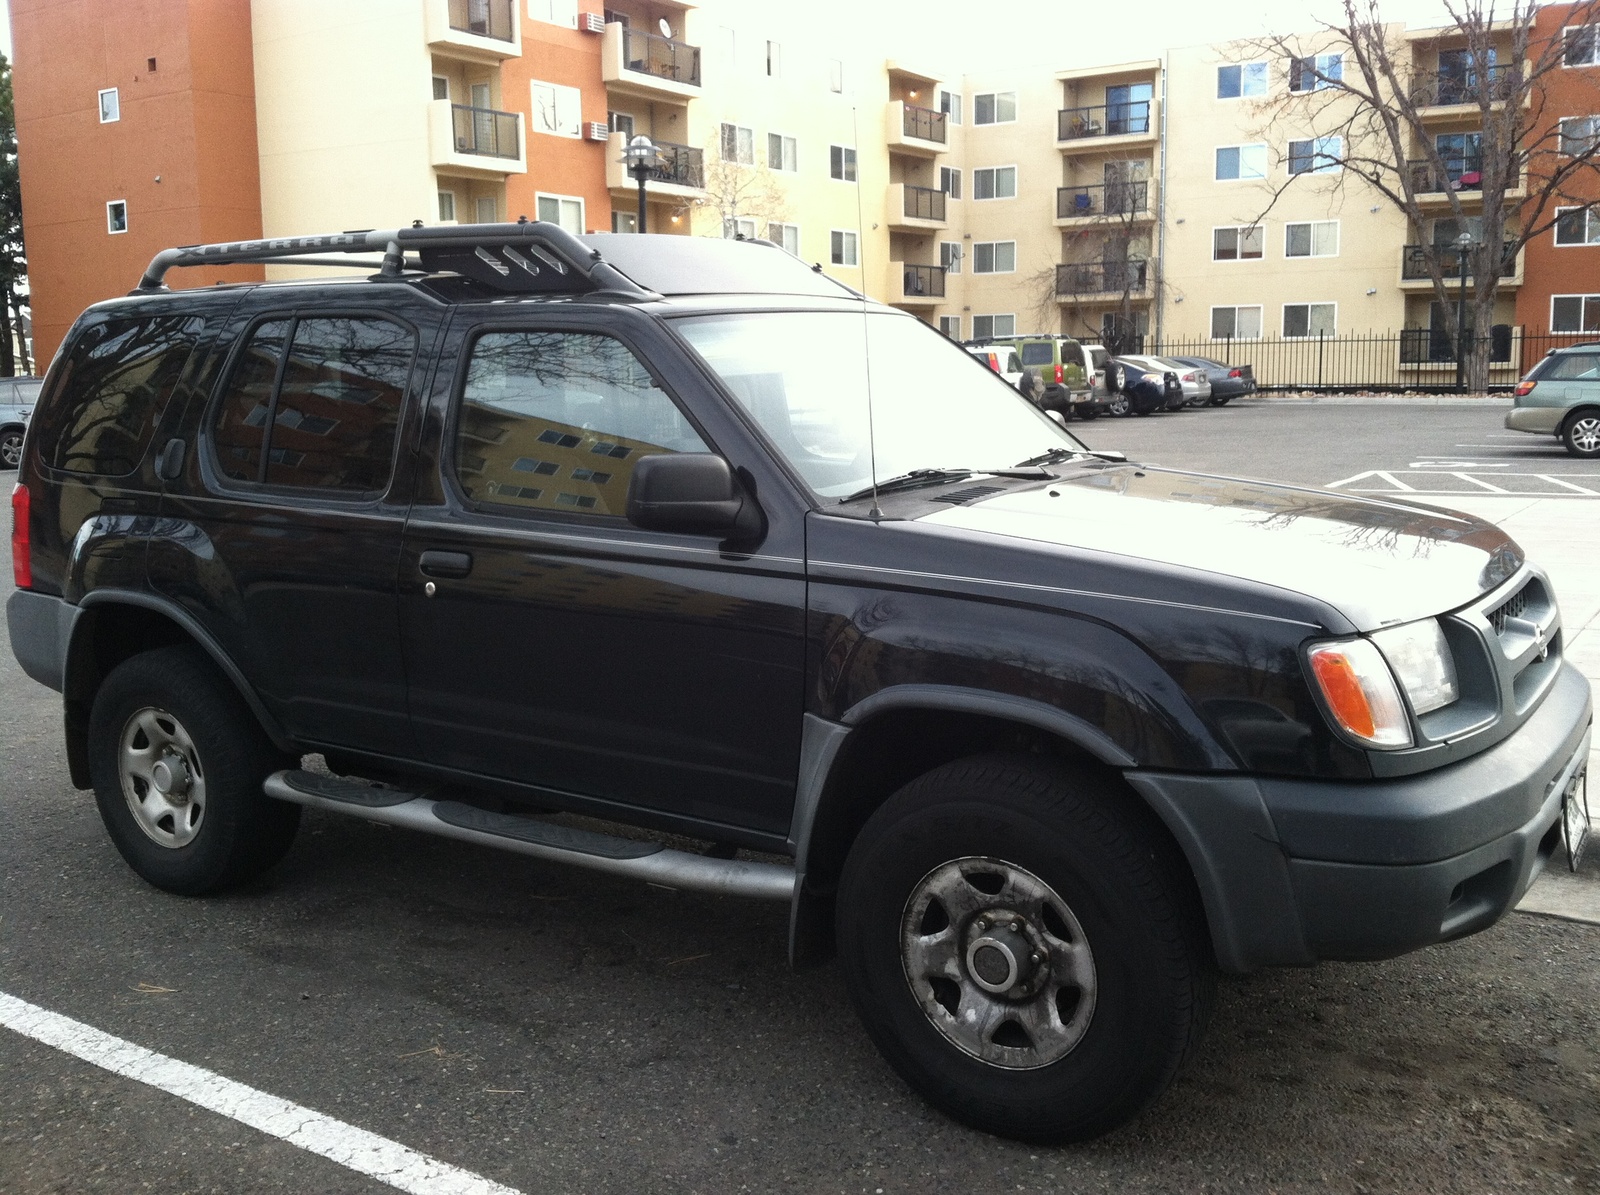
column 1058, row 417
column 691, row 492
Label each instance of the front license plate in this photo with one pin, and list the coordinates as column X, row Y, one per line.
column 1575, row 817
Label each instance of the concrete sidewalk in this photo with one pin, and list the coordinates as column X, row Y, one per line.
column 1563, row 538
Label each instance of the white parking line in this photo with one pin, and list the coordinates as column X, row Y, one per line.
column 353, row 1148
column 1537, row 485
column 1568, row 484
column 1493, row 489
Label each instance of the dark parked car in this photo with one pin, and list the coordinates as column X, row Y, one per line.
column 1227, row 381
column 523, row 523
column 1140, row 386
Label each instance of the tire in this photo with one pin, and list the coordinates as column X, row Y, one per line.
column 1581, row 433
column 1119, row 380
column 1086, row 412
column 1115, row 1014
column 1220, row 402
column 211, row 827
column 1117, row 404
column 10, row 448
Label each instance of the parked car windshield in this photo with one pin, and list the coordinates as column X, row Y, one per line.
column 803, row 376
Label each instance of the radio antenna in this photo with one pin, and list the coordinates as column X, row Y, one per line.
column 866, row 332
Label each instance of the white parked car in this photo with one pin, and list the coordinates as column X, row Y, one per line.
column 1004, row 361
column 1196, row 385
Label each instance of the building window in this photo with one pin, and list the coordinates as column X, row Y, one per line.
column 565, row 210
column 950, row 181
column 551, row 12
column 783, row 153
column 117, row 216
column 1320, row 238
column 989, row 327
column 994, row 257
column 621, row 122
column 739, row 228
column 842, row 163
column 994, row 107
column 835, row 75
column 1241, row 80
column 995, row 182
column 774, row 60
column 1236, row 323
column 787, row 235
column 950, row 105
column 624, row 221
column 1308, row 319
column 1575, row 313
column 1243, row 243
column 1579, row 135
column 843, row 248
column 738, row 145
column 110, row 106
column 950, row 256
column 1577, row 226
column 950, row 325
column 1582, row 46
column 1319, row 155
column 1241, row 162
column 447, row 207
column 557, row 110
column 489, row 210
column 1316, row 72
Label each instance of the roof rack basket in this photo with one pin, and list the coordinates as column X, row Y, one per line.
column 525, row 257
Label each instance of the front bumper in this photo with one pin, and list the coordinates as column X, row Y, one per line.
column 1294, row 871
column 1535, row 419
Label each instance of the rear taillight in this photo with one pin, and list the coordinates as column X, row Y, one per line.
column 1525, row 388
column 21, row 560
column 1236, row 373
column 1060, row 375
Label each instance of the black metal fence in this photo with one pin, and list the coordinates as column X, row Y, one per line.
column 680, row 164
column 484, row 131
column 1415, row 259
column 922, row 281
column 1103, row 120
column 483, row 18
column 924, row 203
column 1103, row 199
column 650, row 54
column 924, row 124
column 1419, row 359
column 1103, row 277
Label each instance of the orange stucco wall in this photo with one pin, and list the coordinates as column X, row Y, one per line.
column 558, row 165
column 1550, row 269
column 182, row 156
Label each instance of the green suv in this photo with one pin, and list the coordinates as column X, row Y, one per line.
column 1561, row 397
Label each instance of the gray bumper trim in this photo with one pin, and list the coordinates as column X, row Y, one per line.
column 41, row 629
column 1536, row 419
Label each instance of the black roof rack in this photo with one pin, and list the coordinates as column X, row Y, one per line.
column 525, row 257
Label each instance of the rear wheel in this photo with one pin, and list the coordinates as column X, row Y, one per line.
column 1086, row 411
column 1117, row 405
column 1220, row 402
column 1581, row 435
column 177, row 761
column 10, row 448
column 1023, row 948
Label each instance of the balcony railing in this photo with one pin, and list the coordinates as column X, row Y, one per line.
column 924, row 203
column 1106, row 120
column 1414, row 263
column 485, row 131
column 1102, row 277
column 1103, row 199
column 1467, row 88
column 922, row 281
column 1459, row 174
column 681, row 165
column 1422, row 346
column 651, row 54
column 483, row 18
column 925, row 124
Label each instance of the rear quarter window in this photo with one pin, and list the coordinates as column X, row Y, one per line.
column 1040, row 352
column 114, row 384
column 1572, row 367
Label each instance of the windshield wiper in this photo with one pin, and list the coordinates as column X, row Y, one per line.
column 1051, row 457
column 908, row 481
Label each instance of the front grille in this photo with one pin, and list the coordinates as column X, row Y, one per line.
column 1516, row 606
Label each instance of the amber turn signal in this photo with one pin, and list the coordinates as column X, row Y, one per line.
column 1360, row 693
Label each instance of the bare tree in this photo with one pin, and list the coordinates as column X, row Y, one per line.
column 737, row 190
column 1113, row 252
column 1363, row 88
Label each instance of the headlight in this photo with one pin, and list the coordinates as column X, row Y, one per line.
column 1422, row 663
column 1360, row 692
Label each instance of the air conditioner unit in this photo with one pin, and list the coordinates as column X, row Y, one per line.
column 597, row 130
column 591, row 22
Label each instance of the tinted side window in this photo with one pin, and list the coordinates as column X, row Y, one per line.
column 333, row 418
column 556, row 421
column 114, row 385
column 1038, row 352
column 1573, row 366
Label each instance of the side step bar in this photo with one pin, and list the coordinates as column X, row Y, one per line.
column 650, row 861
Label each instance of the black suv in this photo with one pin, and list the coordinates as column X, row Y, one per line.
column 681, row 535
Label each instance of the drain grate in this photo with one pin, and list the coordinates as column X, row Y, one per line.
column 971, row 494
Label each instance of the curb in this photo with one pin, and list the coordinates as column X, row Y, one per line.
column 1481, row 401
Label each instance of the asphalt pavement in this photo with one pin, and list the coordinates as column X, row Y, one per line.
column 555, row 1030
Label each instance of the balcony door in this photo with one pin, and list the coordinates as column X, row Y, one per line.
column 1125, row 187
column 1128, row 108
column 482, row 119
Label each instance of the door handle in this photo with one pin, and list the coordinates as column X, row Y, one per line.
column 445, row 564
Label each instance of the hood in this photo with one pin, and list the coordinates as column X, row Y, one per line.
column 1376, row 562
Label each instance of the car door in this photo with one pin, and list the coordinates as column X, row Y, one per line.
column 282, row 536
column 551, row 643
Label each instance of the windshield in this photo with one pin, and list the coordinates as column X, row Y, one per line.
column 802, row 376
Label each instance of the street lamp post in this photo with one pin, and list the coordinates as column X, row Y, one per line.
column 1463, row 247
column 640, row 155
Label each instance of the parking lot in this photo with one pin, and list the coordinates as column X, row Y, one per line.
column 554, row 1030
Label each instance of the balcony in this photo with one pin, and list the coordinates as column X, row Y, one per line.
column 1457, row 97
column 476, row 142
column 649, row 65
column 1414, row 261
column 920, row 286
column 1106, row 126
column 1128, row 202
column 1104, row 279
column 1462, row 177
column 679, row 172
column 919, row 131
column 483, row 31
column 916, row 208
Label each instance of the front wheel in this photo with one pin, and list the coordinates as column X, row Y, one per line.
column 1023, row 947
column 1117, row 404
column 10, row 448
column 1582, row 434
